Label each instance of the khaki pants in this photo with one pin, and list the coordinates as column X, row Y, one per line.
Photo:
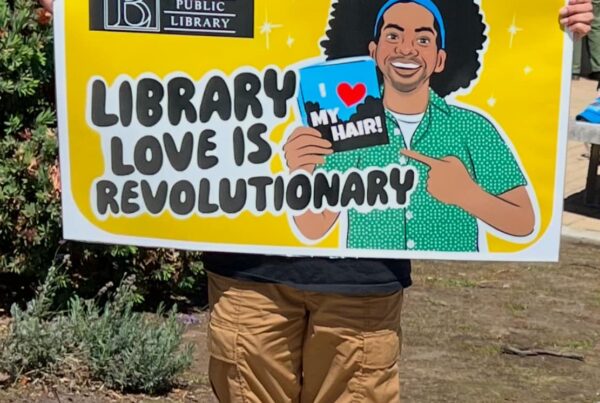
column 273, row 343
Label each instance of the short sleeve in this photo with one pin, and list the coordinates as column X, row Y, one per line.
column 496, row 169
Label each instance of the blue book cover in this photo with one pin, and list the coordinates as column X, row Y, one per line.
column 342, row 100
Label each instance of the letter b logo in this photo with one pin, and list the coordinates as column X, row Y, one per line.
column 132, row 15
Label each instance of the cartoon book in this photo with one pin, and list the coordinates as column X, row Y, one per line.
column 342, row 100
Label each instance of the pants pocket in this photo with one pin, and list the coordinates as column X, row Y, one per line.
column 222, row 343
column 223, row 369
column 379, row 379
column 381, row 349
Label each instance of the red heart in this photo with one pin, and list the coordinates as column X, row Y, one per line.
column 351, row 95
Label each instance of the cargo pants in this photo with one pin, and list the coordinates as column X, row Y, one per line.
column 274, row 343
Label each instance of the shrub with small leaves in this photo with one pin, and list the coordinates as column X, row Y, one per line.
column 30, row 214
column 127, row 350
column 29, row 196
column 124, row 349
column 37, row 341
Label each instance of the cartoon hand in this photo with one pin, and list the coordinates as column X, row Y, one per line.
column 305, row 149
column 449, row 181
column 577, row 17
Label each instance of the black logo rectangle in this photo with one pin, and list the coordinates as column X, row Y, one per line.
column 233, row 18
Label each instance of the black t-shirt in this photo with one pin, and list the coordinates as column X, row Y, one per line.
column 336, row 276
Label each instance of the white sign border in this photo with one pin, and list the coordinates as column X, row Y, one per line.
column 546, row 249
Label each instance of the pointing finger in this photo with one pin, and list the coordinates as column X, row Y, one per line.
column 424, row 159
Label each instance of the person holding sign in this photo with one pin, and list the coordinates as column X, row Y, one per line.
column 327, row 330
column 322, row 330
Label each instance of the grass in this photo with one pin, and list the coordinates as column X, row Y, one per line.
column 582, row 345
column 516, row 308
column 451, row 282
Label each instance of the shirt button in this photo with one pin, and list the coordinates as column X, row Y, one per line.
column 409, row 215
column 410, row 244
column 397, row 131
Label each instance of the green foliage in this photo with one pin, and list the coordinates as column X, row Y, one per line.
column 26, row 66
column 124, row 349
column 121, row 347
column 36, row 342
column 29, row 201
column 30, row 222
column 159, row 273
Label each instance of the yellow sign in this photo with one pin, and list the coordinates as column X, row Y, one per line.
column 363, row 128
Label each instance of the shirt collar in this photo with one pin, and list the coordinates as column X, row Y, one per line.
column 438, row 102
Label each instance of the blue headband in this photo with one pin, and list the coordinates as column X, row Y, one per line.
column 428, row 4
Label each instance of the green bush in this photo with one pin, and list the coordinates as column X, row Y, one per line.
column 127, row 350
column 29, row 198
column 124, row 349
column 36, row 342
column 30, row 223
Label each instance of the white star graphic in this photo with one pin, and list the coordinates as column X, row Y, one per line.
column 527, row 70
column 266, row 29
column 492, row 101
column 513, row 30
column 290, row 41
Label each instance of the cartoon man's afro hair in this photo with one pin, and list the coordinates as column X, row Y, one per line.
column 351, row 29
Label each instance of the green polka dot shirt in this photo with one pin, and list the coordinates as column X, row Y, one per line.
column 427, row 224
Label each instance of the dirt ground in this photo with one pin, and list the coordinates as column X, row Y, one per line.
column 457, row 319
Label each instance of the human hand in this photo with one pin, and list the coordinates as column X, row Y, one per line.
column 577, row 17
column 305, row 149
column 47, row 4
column 448, row 181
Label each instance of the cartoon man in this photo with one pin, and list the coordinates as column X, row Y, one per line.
column 467, row 171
